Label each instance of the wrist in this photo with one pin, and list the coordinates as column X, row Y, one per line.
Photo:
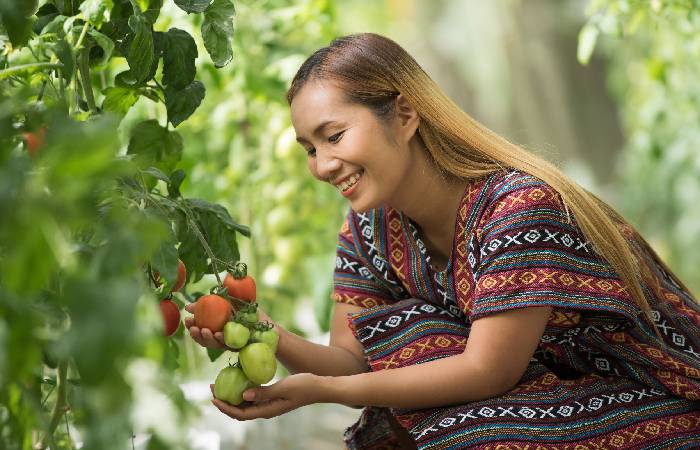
column 333, row 389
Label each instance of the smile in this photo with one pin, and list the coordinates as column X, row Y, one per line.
column 350, row 182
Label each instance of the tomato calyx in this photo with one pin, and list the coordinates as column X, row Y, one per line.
column 240, row 270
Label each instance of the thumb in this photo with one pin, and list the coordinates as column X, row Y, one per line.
column 190, row 307
column 259, row 393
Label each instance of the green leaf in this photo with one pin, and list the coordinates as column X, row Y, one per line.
column 217, row 31
column 140, row 55
column 15, row 20
column 182, row 103
column 176, row 179
column 64, row 53
column 153, row 145
column 153, row 10
column 179, row 54
column 95, row 10
column 105, row 44
column 157, row 173
column 164, row 260
column 193, row 6
column 215, row 353
column 218, row 229
column 586, row 43
column 119, row 99
column 44, row 15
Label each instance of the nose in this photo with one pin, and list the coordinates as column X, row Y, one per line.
column 326, row 165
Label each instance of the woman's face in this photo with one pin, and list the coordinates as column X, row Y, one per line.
column 348, row 146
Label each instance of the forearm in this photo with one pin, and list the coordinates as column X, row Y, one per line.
column 300, row 355
column 442, row 382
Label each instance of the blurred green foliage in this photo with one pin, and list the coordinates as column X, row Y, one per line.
column 653, row 52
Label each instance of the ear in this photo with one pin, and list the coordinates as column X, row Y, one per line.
column 407, row 118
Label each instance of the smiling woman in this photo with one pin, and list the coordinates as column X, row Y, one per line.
column 482, row 297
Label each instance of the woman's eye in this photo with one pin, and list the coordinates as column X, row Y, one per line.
column 311, row 152
column 336, row 137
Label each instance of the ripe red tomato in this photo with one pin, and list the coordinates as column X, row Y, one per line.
column 242, row 288
column 181, row 276
column 212, row 311
column 34, row 140
column 171, row 316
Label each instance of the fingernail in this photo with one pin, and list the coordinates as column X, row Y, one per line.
column 248, row 395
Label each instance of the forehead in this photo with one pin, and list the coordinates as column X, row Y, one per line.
column 317, row 102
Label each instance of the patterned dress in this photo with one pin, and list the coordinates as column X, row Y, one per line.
column 600, row 379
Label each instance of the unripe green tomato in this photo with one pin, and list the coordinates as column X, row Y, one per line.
column 269, row 337
column 236, row 335
column 230, row 385
column 248, row 317
column 258, row 362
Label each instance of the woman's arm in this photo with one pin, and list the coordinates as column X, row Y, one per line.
column 498, row 351
column 343, row 355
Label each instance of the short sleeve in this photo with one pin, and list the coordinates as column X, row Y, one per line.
column 355, row 281
column 532, row 253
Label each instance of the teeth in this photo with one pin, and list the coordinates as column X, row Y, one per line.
column 345, row 185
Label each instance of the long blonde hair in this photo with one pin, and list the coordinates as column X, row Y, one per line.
column 372, row 70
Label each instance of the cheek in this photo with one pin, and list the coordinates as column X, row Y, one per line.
column 311, row 165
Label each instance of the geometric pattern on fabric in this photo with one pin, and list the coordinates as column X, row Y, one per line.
column 515, row 246
column 543, row 411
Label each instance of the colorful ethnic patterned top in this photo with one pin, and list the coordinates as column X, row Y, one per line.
column 515, row 246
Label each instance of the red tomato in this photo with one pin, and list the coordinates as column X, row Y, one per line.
column 212, row 311
column 242, row 288
column 34, row 140
column 181, row 276
column 171, row 316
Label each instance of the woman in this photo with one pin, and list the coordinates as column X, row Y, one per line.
column 482, row 298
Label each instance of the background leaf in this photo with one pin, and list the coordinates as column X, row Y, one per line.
column 217, row 31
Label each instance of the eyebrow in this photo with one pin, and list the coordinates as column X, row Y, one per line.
column 318, row 129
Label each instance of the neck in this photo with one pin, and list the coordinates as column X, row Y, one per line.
column 429, row 199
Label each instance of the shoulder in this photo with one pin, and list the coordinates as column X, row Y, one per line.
column 518, row 196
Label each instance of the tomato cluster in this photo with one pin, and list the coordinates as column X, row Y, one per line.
column 255, row 341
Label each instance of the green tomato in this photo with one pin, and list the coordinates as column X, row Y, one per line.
column 258, row 362
column 249, row 317
column 236, row 335
column 269, row 337
column 230, row 385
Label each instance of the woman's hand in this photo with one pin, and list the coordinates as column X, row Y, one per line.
column 290, row 393
column 205, row 337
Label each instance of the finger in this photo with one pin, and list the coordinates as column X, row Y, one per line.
column 190, row 307
column 219, row 336
column 208, row 338
column 196, row 335
column 256, row 411
column 189, row 322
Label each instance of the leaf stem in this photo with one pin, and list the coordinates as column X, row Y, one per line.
column 16, row 70
column 60, row 406
column 84, row 68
